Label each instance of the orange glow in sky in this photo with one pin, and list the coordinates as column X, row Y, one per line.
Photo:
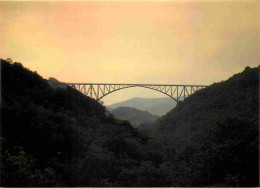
column 171, row 42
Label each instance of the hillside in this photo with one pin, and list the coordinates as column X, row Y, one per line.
column 60, row 137
column 133, row 115
column 212, row 136
column 155, row 106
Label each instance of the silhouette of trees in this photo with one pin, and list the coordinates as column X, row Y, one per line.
column 66, row 138
column 56, row 136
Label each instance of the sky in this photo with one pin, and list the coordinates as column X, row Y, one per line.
column 155, row 42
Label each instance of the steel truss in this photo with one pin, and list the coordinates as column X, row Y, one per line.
column 98, row 90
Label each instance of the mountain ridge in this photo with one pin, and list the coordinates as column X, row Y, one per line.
column 155, row 106
column 133, row 115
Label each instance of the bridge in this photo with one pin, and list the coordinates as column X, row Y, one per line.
column 100, row 90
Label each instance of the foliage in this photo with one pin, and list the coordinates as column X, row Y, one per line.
column 21, row 170
column 59, row 137
column 67, row 139
column 212, row 137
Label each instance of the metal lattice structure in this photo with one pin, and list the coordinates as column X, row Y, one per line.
column 98, row 90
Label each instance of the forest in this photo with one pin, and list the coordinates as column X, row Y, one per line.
column 59, row 137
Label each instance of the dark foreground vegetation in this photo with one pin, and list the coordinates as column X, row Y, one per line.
column 59, row 137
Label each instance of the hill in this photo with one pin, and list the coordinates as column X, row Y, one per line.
column 56, row 84
column 155, row 106
column 133, row 115
column 60, row 137
column 212, row 136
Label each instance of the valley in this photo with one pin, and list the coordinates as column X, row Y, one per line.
column 56, row 136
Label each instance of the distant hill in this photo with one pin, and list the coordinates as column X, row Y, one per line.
column 155, row 106
column 133, row 115
column 56, row 84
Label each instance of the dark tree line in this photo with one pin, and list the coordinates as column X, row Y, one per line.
column 212, row 138
column 59, row 137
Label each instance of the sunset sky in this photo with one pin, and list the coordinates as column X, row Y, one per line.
column 170, row 42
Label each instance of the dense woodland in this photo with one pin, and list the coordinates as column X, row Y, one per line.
column 59, row 137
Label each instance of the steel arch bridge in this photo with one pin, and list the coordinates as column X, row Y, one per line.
column 100, row 90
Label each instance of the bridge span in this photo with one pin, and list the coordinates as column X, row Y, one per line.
column 100, row 90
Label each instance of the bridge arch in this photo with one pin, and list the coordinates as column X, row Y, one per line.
column 141, row 87
column 99, row 91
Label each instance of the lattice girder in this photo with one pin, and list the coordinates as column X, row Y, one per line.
column 99, row 90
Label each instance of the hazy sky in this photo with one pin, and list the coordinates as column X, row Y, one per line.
column 171, row 42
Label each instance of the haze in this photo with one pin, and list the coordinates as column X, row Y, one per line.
column 173, row 42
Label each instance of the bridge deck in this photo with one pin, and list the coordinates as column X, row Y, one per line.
column 136, row 84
